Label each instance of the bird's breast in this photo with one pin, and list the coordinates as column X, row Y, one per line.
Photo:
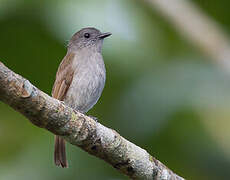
column 88, row 82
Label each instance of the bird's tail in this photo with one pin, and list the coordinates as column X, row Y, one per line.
column 59, row 152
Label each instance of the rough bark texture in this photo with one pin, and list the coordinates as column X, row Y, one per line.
column 79, row 129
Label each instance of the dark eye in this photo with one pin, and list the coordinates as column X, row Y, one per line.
column 86, row 35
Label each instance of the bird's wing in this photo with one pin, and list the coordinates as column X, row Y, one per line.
column 64, row 77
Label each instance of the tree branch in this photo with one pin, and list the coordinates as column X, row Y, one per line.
column 79, row 129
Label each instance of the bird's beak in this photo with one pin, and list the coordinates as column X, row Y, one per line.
column 104, row 35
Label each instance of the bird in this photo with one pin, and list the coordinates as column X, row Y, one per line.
column 80, row 78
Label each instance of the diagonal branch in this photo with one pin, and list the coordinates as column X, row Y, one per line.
column 79, row 129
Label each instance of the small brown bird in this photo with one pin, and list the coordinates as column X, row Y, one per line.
column 80, row 78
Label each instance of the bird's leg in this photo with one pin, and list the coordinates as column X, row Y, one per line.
column 63, row 103
column 94, row 118
column 78, row 111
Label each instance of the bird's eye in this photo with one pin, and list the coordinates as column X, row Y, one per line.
column 86, row 35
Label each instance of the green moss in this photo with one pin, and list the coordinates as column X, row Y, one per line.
column 150, row 158
column 73, row 117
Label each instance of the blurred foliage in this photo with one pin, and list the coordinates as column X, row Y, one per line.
column 161, row 93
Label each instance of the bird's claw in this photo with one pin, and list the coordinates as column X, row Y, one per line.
column 94, row 118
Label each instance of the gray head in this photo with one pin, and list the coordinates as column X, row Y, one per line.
column 87, row 38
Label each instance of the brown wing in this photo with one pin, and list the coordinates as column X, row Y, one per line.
column 64, row 77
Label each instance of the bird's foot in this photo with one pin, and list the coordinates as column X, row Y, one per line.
column 77, row 111
column 94, row 118
column 62, row 102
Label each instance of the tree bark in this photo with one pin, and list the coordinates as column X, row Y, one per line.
column 79, row 129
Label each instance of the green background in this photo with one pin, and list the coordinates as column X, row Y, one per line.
column 161, row 92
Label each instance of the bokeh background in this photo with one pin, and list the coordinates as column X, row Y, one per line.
column 162, row 92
